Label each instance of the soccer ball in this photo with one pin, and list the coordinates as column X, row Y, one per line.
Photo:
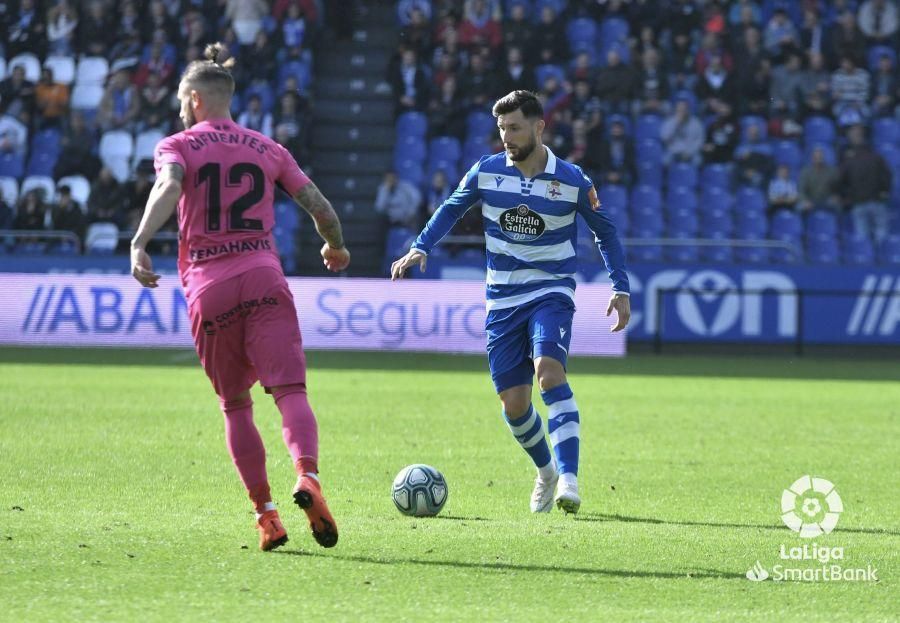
column 419, row 490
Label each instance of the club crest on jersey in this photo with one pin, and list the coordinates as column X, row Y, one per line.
column 553, row 191
column 521, row 224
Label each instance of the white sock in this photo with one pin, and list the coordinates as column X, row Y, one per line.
column 269, row 506
column 548, row 471
column 568, row 479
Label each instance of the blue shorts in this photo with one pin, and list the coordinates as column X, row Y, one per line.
column 519, row 335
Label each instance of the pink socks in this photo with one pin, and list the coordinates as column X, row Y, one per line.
column 246, row 449
column 298, row 426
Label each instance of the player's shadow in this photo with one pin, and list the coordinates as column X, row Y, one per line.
column 458, row 518
column 603, row 517
column 506, row 566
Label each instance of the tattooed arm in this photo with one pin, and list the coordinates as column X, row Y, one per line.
column 160, row 206
column 334, row 254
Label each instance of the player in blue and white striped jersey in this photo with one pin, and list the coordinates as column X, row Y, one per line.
column 529, row 200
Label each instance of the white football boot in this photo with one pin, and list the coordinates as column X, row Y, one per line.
column 542, row 496
column 567, row 498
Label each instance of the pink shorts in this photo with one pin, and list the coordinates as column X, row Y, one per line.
column 246, row 330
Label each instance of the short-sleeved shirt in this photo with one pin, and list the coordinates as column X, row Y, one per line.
column 226, row 213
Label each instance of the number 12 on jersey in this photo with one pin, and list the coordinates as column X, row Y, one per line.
column 211, row 174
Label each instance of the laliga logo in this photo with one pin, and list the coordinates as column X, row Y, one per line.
column 811, row 507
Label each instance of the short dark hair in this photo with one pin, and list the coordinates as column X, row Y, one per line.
column 526, row 101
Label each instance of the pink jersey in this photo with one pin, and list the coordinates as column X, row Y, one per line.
column 225, row 214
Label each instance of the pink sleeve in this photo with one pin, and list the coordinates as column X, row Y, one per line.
column 292, row 178
column 167, row 152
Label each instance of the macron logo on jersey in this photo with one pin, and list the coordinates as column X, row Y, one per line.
column 499, row 180
column 562, row 333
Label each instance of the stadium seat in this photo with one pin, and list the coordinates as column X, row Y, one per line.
column 716, row 176
column 716, row 254
column 858, row 251
column 101, row 238
column 613, row 30
column 287, row 215
column 42, row 163
column 42, row 182
column 876, row 52
column 63, row 68
column 613, row 197
column 9, row 190
column 786, row 222
column 648, row 150
column 886, row 130
column 144, row 145
column 890, row 152
column 750, row 223
column 820, row 222
column 645, row 253
column 790, row 253
column 750, row 199
column 409, row 148
column 12, row 164
column 713, row 198
column 411, row 171
column 753, row 120
column 650, row 173
column 91, row 71
column 542, row 72
column 822, row 250
column 751, row 254
column 80, row 187
column 412, row 124
column 827, row 151
column 86, row 97
column 449, row 167
column 682, row 222
column 480, row 125
column 818, row 129
column 682, row 253
column 46, row 140
column 681, row 198
column 263, row 90
column 788, row 153
column 684, row 95
column 31, row 64
column 889, row 253
column 648, row 127
column 623, row 120
column 646, row 222
column 716, row 224
column 2, row 66
column 397, row 244
column 682, row 174
column 444, row 148
column 116, row 150
column 581, row 33
column 643, row 196
column 473, row 149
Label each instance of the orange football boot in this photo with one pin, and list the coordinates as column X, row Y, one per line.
column 271, row 531
column 308, row 496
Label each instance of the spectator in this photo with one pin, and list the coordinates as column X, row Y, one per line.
column 787, row 83
column 7, row 216
column 156, row 104
column 310, row 10
column 885, row 87
column 549, row 41
column 478, row 85
column 136, row 192
column 865, row 182
column 879, row 21
column 615, row 84
column 121, row 104
column 749, row 55
column 31, row 213
column 614, row 158
column 448, row 56
column 582, row 68
column 158, row 18
column 652, row 88
column 293, row 27
column 62, row 21
column 755, row 93
column 17, row 93
column 77, row 149
column 67, row 214
column 246, row 18
column 722, row 134
column 516, row 75
column 712, row 47
column 255, row 118
column 406, row 7
column 818, row 184
column 291, row 143
column 683, row 18
column 815, row 88
column 754, row 159
column 129, row 20
column 438, row 192
column 155, row 63
column 51, row 100
column 446, row 113
column 13, row 135
column 847, row 39
column 289, row 115
column 782, row 190
column 850, row 88
column 258, row 60
column 680, row 62
column 682, row 135
column 480, row 25
column 126, row 52
column 518, row 31
column 409, row 83
column 781, row 34
column 96, row 31
column 715, row 83
column 417, row 34
column 399, row 200
column 740, row 8
column 105, row 201
column 195, row 32
column 585, row 105
column 814, row 36
column 25, row 31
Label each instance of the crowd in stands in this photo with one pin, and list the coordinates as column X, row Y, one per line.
column 741, row 119
column 89, row 86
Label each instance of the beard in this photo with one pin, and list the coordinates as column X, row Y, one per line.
column 523, row 151
column 189, row 120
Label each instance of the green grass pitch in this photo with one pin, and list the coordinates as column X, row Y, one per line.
column 118, row 501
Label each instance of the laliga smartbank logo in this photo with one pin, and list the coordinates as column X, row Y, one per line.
column 811, row 507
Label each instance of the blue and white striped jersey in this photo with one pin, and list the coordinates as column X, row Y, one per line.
column 530, row 228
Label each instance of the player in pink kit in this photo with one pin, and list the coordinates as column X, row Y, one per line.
column 222, row 179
